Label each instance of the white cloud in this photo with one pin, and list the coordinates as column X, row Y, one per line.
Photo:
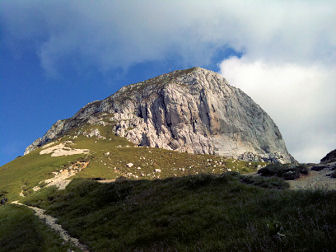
column 110, row 34
column 299, row 98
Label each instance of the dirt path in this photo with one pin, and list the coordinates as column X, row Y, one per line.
column 315, row 180
column 106, row 181
column 51, row 222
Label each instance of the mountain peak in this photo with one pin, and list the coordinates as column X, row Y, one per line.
column 194, row 71
column 192, row 110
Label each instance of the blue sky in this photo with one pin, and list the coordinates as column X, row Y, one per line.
column 56, row 56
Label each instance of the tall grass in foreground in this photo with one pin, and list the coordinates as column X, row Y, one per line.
column 194, row 213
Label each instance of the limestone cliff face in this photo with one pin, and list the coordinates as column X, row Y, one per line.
column 193, row 110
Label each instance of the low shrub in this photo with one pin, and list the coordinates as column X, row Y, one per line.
column 271, row 183
column 285, row 171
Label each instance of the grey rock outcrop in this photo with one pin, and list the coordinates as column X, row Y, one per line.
column 193, row 110
column 327, row 162
column 330, row 157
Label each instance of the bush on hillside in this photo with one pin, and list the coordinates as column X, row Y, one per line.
column 285, row 171
column 270, row 183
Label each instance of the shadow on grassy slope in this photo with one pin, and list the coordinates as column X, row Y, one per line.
column 24, row 173
column 194, row 213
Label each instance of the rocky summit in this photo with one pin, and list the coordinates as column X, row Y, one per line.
column 193, row 110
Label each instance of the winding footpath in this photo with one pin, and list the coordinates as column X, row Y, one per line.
column 51, row 222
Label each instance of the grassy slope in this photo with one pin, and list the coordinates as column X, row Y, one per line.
column 194, row 213
column 23, row 173
column 172, row 209
column 20, row 230
column 171, row 163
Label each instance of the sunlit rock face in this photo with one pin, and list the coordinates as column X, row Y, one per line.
column 193, row 110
